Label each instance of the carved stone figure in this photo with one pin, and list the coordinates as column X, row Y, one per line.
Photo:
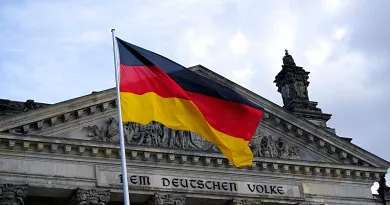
column 89, row 197
column 244, row 202
column 167, row 199
column 286, row 93
column 255, row 144
column 29, row 105
column 281, row 147
column 11, row 194
column 300, row 89
column 94, row 132
column 267, row 146
column 155, row 134
column 24, row 107
column 112, row 129
column 288, row 59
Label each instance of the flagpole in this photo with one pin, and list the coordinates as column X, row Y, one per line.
column 120, row 125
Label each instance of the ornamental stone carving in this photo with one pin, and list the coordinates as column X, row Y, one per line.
column 244, row 202
column 167, row 199
column 292, row 82
column 11, row 194
column 89, row 197
column 155, row 134
column 24, row 107
column 288, row 59
column 269, row 146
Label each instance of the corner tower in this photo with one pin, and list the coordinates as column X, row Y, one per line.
column 292, row 82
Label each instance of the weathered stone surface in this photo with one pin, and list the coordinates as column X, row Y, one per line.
column 89, row 197
column 7, row 105
column 340, row 190
column 12, row 194
column 244, row 202
column 155, row 134
column 189, row 182
column 167, row 199
column 292, row 82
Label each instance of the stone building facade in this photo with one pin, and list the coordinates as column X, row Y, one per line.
column 68, row 153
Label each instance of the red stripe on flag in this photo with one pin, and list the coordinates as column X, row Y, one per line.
column 231, row 118
column 142, row 79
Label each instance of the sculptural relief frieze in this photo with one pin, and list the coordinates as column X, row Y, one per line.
column 155, row 134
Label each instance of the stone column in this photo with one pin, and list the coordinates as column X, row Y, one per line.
column 89, row 197
column 167, row 199
column 244, row 202
column 11, row 194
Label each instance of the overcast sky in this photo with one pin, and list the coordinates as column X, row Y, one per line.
column 51, row 51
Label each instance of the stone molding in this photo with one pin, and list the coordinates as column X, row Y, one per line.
column 89, row 197
column 101, row 151
column 11, row 194
column 60, row 113
column 167, row 199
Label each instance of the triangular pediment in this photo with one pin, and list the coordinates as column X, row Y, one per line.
column 281, row 135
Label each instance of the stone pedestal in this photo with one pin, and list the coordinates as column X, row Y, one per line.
column 89, row 197
column 167, row 199
column 11, row 194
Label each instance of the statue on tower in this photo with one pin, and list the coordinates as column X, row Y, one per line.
column 292, row 82
column 288, row 59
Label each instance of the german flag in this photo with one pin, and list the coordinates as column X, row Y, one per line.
column 154, row 88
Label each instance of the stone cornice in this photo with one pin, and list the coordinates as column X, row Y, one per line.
column 271, row 166
column 59, row 113
column 299, row 125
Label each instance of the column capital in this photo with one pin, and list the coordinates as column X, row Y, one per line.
column 244, row 202
column 89, row 197
column 12, row 194
column 167, row 199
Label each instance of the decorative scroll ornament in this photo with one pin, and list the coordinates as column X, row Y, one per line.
column 155, row 134
column 244, row 202
column 167, row 199
column 89, row 197
column 12, row 194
